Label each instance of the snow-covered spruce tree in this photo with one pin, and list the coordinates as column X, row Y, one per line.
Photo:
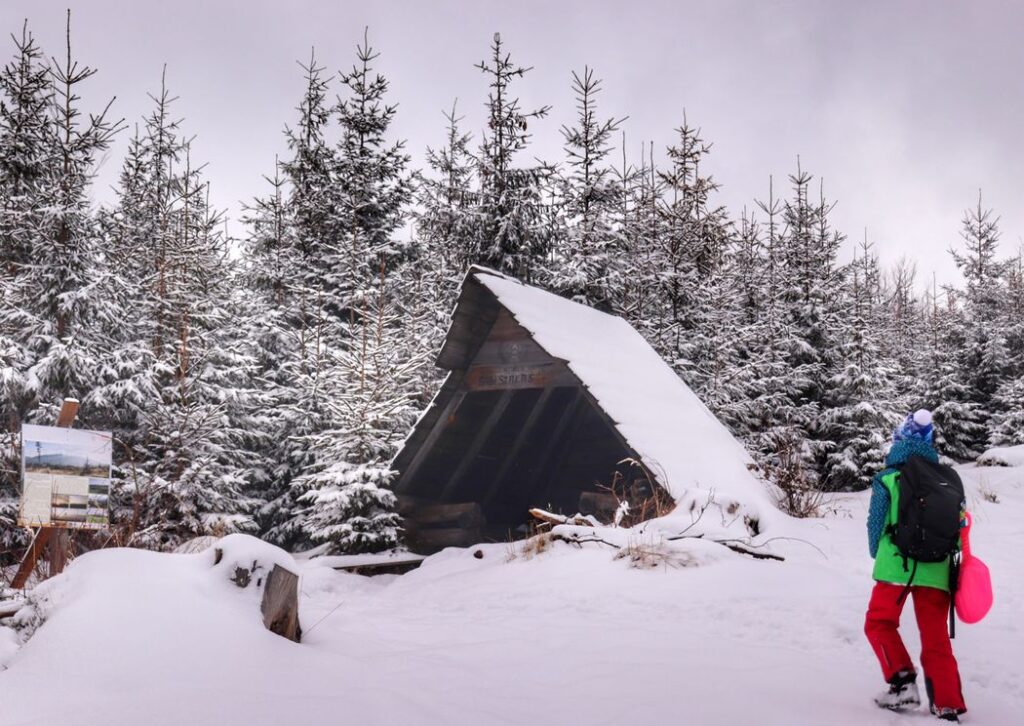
column 309, row 201
column 271, row 243
column 790, row 307
column 750, row 406
column 447, row 200
column 1014, row 312
column 955, row 414
column 329, row 215
column 641, row 233
column 372, row 188
column 585, row 256
column 811, row 288
column 24, row 152
column 767, row 417
column 274, row 321
column 25, row 94
column 723, row 363
column 367, row 408
column 695, row 298
column 904, row 324
column 196, row 450
column 513, row 228
column 862, row 406
column 178, row 391
column 123, row 385
column 983, row 360
column 50, row 302
column 1007, row 424
column 347, row 391
column 445, row 240
column 292, row 239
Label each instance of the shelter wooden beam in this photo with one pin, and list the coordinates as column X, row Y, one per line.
column 517, row 445
column 482, row 434
column 555, row 443
column 407, row 477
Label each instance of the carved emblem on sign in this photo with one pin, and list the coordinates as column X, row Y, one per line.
column 512, row 351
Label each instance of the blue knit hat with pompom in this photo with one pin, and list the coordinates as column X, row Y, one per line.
column 917, row 425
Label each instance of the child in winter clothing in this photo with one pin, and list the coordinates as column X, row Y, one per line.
column 930, row 591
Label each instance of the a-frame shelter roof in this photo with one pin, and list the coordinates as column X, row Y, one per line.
column 656, row 414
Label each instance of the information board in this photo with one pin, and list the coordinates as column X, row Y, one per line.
column 65, row 476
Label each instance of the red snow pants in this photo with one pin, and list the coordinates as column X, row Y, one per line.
column 931, row 606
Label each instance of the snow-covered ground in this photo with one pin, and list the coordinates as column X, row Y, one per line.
column 566, row 635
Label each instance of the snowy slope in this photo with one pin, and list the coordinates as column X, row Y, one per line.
column 566, row 635
column 654, row 410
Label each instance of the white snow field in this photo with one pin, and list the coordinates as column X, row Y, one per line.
column 566, row 635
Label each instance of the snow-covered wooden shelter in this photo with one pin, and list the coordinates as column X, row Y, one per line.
column 546, row 403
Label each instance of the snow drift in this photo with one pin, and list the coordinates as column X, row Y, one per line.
column 1003, row 456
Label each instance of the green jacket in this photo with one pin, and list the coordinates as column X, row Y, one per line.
column 889, row 563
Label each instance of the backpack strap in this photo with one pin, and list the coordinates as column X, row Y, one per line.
column 906, row 590
column 954, row 582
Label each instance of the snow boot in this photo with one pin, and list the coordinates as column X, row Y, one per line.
column 946, row 714
column 902, row 693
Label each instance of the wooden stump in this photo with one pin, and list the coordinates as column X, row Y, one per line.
column 280, row 606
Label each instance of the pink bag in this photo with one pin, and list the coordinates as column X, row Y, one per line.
column 973, row 597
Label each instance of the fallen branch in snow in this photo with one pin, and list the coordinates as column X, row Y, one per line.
column 10, row 607
column 580, row 520
column 738, row 546
column 582, row 541
column 745, row 549
column 790, row 539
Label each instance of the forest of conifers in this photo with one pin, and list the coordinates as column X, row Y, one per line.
column 261, row 383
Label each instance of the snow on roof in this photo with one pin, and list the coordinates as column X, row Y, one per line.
column 661, row 419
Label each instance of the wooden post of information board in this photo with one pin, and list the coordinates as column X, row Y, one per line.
column 54, row 539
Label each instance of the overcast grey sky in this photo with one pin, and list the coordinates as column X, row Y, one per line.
column 905, row 109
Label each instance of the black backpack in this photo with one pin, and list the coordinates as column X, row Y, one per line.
column 931, row 498
column 927, row 527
